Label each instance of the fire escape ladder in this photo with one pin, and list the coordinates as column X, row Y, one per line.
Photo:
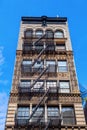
column 41, row 100
column 39, row 77
column 40, row 89
column 41, row 116
column 39, row 55
column 35, row 43
column 49, row 122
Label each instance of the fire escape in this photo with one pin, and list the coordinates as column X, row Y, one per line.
column 42, row 70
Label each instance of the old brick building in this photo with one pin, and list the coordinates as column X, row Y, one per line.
column 44, row 94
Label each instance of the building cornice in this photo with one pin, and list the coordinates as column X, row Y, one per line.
column 44, row 18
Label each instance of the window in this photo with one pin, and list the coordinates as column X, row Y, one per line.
column 28, row 33
column 53, row 113
column 62, row 66
column 60, row 47
column 23, row 115
column 26, row 62
column 39, row 33
column 25, row 83
column 39, row 115
column 51, row 65
column 68, row 115
column 52, row 85
column 50, row 46
column 50, row 62
column 39, row 46
column 64, row 86
column 26, row 65
column 59, row 34
column 49, row 34
column 27, row 47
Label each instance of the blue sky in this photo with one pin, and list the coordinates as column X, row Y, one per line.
column 10, row 16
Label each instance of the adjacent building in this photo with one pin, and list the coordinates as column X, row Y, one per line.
column 44, row 94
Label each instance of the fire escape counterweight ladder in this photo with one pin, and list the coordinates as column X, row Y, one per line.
column 39, row 55
column 39, row 77
column 39, row 39
column 38, row 104
column 43, row 71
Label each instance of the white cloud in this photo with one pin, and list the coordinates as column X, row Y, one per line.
column 3, row 109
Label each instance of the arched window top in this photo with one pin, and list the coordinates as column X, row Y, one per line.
column 59, row 34
column 39, row 33
column 49, row 33
column 28, row 33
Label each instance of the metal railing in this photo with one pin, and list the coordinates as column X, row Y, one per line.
column 56, row 121
column 41, row 89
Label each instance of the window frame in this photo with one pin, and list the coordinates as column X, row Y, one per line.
column 60, row 46
column 21, row 113
column 49, row 33
column 62, row 68
column 26, row 65
column 52, row 66
column 26, row 84
column 69, row 116
column 39, row 33
column 38, row 113
column 59, row 35
column 51, row 113
column 66, row 88
column 30, row 33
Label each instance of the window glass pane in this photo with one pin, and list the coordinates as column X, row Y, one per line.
column 27, row 46
column 50, row 62
column 49, row 34
column 62, row 69
column 28, row 33
column 51, row 66
column 39, row 33
column 62, row 63
column 51, row 84
column 58, row 34
column 53, row 112
column 69, row 121
column 25, row 83
column 68, row 115
column 26, row 62
column 62, row 66
column 64, row 84
column 23, row 113
column 60, row 46
column 39, row 46
column 64, row 87
column 68, row 111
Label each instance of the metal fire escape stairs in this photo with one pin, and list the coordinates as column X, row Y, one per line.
column 41, row 100
column 41, row 74
column 47, row 91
